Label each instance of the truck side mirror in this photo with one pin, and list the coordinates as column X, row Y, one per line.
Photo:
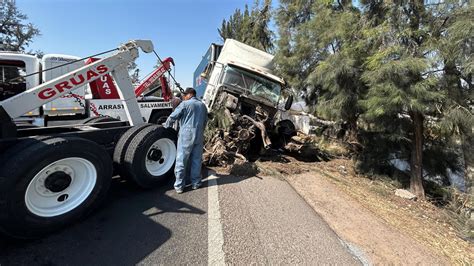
column 205, row 74
column 289, row 102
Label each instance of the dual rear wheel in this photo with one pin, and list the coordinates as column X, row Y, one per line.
column 47, row 183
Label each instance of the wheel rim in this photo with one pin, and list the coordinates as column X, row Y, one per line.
column 160, row 157
column 60, row 187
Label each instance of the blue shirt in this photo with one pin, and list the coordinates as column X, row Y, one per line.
column 192, row 117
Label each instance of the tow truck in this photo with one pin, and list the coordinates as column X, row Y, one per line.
column 53, row 176
column 98, row 101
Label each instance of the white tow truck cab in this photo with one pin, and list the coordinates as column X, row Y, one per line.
column 13, row 66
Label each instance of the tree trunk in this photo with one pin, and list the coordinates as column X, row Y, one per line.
column 352, row 130
column 416, row 161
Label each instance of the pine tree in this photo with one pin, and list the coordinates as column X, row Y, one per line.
column 337, row 77
column 455, row 33
column 15, row 33
column 295, row 56
column 398, row 73
column 250, row 27
column 402, row 68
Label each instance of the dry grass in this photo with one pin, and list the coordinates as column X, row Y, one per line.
column 431, row 226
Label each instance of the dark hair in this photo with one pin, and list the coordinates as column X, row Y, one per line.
column 190, row 90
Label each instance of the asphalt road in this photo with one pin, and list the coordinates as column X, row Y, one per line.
column 230, row 220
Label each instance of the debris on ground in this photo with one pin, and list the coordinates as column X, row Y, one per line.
column 235, row 144
column 243, row 169
column 403, row 193
column 229, row 136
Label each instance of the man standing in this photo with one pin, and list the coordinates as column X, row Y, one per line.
column 192, row 117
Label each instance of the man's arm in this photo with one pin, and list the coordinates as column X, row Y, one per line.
column 175, row 115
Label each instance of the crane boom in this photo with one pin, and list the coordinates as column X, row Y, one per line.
column 156, row 74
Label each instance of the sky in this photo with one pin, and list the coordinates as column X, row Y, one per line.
column 181, row 29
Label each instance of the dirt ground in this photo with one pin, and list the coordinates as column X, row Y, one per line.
column 366, row 213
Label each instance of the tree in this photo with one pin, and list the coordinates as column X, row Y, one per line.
column 320, row 53
column 403, row 69
column 336, row 81
column 295, row 57
column 134, row 72
column 15, row 33
column 250, row 27
column 402, row 83
column 456, row 60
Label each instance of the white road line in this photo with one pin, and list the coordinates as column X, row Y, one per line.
column 215, row 238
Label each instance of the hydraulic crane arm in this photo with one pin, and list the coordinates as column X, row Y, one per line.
column 115, row 64
column 156, row 74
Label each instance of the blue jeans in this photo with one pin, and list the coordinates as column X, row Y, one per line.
column 188, row 160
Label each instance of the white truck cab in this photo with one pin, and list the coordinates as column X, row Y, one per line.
column 18, row 75
column 13, row 68
column 245, row 70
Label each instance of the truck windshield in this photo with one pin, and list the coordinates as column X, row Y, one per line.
column 12, row 81
column 257, row 85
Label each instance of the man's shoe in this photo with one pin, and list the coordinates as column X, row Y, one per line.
column 179, row 190
column 196, row 186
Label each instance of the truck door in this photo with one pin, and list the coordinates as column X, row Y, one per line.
column 13, row 69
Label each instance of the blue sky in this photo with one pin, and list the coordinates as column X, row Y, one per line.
column 182, row 29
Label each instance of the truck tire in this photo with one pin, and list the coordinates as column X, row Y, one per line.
column 284, row 130
column 98, row 119
column 50, row 184
column 159, row 117
column 150, row 156
column 122, row 145
column 95, row 121
column 23, row 144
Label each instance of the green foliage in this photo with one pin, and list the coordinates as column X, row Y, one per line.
column 388, row 68
column 250, row 26
column 15, row 33
column 296, row 57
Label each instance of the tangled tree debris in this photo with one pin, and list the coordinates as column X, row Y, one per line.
column 235, row 138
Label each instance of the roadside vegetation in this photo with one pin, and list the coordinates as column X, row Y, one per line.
column 394, row 76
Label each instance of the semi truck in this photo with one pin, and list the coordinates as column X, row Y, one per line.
column 53, row 176
column 240, row 84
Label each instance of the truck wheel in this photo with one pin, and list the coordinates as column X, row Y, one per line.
column 50, row 184
column 98, row 119
column 23, row 144
column 159, row 117
column 150, row 156
column 122, row 145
